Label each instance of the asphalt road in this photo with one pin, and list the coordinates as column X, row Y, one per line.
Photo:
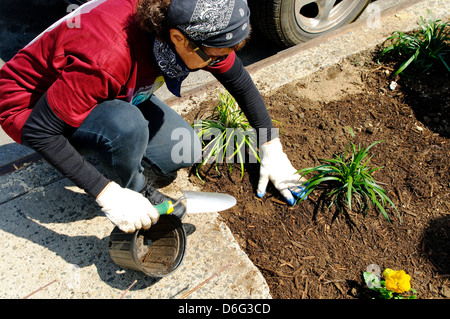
column 22, row 20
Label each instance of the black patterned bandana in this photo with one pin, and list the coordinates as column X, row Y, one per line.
column 173, row 68
column 211, row 23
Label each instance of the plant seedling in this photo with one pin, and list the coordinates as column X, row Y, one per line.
column 424, row 48
column 348, row 179
column 229, row 135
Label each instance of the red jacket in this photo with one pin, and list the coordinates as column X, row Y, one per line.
column 89, row 56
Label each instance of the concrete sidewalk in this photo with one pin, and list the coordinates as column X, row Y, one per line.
column 52, row 231
column 55, row 238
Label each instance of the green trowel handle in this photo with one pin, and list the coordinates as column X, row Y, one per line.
column 165, row 208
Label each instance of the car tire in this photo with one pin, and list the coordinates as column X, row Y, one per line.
column 290, row 22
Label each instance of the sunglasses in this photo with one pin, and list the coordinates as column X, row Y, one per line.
column 205, row 57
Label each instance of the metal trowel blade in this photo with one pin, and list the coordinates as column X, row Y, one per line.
column 207, row 202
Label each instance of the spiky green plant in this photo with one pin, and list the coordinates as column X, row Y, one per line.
column 229, row 135
column 423, row 48
column 347, row 179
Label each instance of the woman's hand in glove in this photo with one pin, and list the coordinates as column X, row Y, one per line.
column 276, row 167
column 127, row 209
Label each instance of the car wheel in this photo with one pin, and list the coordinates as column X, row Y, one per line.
column 290, row 22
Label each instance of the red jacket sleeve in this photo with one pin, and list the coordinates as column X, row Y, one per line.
column 224, row 65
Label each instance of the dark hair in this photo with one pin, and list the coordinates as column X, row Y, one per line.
column 151, row 17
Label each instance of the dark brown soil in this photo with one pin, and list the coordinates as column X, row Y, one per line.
column 304, row 252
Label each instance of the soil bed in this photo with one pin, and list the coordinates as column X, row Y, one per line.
column 307, row 253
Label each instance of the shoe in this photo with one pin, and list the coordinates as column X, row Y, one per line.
column 189, row 229
column 153, row 173
column 156, row 197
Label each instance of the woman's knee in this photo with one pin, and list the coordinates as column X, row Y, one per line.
column 123, row 123
column 113, row 127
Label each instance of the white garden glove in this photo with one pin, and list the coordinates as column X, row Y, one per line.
column 276, row 167
column 127, row 209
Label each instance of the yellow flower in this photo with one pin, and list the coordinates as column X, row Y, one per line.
column 387, row 271
column 397, row 280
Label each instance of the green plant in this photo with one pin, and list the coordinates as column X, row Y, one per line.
column 347, row 179
column 229, row 135
column 430, row 44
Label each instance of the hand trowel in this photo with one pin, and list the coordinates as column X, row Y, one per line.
column 199, row 202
